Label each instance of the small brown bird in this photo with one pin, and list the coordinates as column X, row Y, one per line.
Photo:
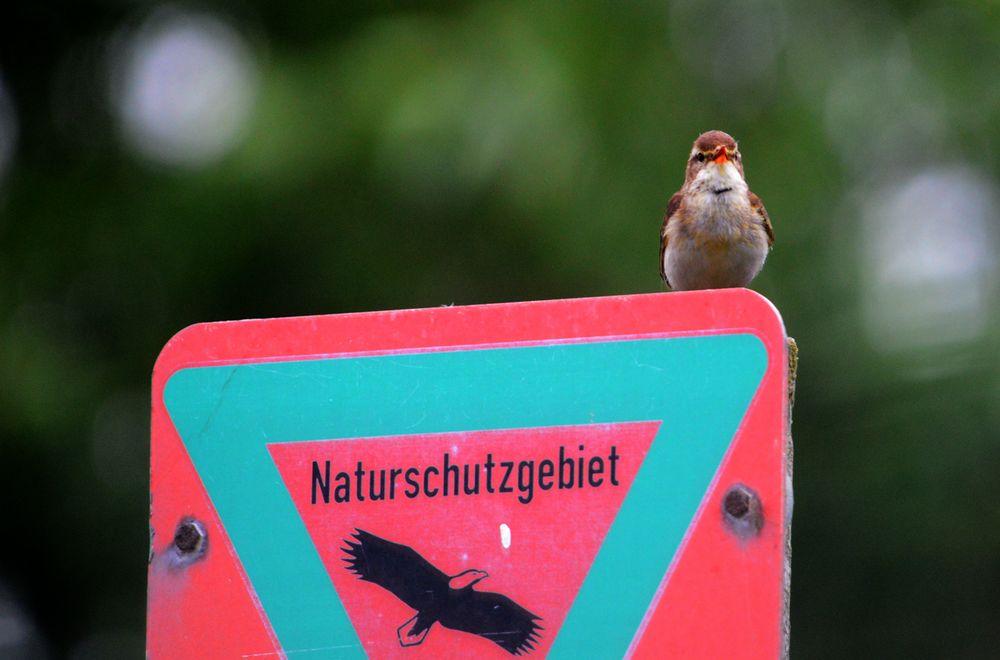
column 716, row 233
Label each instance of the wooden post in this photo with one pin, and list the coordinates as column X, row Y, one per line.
column 793, row 367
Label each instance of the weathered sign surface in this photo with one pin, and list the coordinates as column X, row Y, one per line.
column 575, row 478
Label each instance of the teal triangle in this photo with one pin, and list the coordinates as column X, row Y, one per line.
column 700, row 387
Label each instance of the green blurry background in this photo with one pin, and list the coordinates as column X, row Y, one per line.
column 167, row 164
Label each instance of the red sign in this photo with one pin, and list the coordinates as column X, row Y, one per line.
column 598, row 477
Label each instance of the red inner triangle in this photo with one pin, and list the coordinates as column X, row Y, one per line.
column 553, row 540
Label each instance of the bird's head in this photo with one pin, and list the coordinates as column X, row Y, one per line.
column 715, row 162
column 467, row 578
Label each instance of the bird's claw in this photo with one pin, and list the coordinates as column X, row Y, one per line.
column 406, row 636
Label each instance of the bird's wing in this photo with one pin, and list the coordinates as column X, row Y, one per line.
column 395, row 567
column 672, row 206
column 498, row 619
column 758, row 208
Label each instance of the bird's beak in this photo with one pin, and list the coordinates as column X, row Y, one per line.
column 720, row 156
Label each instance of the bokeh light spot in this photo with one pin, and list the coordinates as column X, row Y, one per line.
column 19, row 638
column 8, row 131
column 734, row 44
column 184, row 85
column 881, row 110
column 929, row 255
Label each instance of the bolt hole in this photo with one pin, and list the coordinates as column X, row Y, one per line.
column 742, row 511
column 737, row 503
column 190, row 541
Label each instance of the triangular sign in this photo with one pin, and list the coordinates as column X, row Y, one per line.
column 530, row 507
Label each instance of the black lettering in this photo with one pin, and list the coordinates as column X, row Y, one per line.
column 545, row 471
column 489, row 473
column 322, row 481
column 371, row 485
column 342, row 493
column 526, row 485
column 427, row 479
column 595, row 471
column 393, row 473
column 504, row 488
column 412, row 483
column 565, row 481
column 360, row 474
column 447, row 473
column 465, row 478
column 454, row 478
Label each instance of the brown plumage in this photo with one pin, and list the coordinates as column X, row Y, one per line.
column 716, row 232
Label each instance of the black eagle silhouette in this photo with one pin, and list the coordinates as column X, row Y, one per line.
column 437, row 597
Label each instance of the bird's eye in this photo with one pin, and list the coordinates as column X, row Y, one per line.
column 700, row 157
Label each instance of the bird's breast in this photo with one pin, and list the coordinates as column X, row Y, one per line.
column 714, row 241
column 723, row 218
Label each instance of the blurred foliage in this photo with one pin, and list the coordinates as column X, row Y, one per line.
column 408, row 155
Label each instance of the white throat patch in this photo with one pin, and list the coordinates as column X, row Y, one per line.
column 715, row 178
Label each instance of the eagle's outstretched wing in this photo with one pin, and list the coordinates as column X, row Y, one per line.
column 395, row 567
column 498, row 619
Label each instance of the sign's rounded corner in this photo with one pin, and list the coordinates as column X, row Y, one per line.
column 171, row 355
column 768, row 308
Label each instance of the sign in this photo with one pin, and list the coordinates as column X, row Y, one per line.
column 574, row 478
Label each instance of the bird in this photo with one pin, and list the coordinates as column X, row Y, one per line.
column 438, row 597
column 716, row 232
